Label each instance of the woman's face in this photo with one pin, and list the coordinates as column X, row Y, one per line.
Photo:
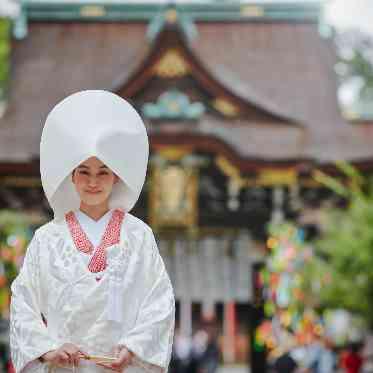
column 94, row 181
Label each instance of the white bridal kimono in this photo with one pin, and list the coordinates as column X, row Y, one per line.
column 56, row 299
column 69, row 290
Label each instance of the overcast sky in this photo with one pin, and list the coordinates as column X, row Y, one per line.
column 343, row 13
column 351, row 13
column 347, row 14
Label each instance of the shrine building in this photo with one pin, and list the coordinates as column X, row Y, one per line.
column 240, row 104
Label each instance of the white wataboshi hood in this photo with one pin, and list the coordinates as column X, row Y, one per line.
column 93, row 123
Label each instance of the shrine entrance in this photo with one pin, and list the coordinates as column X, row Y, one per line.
column 213, row 279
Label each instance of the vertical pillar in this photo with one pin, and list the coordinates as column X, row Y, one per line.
column 234, row 188
column 278, row 198
column 229, row 332
column 186, row 317
column 229, row 301
column 208, row 309
column 209, row 276
column 295, row 201
column 183, row 287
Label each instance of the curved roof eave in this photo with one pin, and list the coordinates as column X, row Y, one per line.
column 235, row 90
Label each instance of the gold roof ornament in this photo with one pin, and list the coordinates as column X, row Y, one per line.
column 231, row 171
column 274, row 176
column 225, row 107
column 92, row 11
column 171, row 16
column 265, row 176
column 172, row 65
column 174, row 153
column 252, row 11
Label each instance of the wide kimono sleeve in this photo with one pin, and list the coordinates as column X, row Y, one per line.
column 152, row 335
column 29, row 337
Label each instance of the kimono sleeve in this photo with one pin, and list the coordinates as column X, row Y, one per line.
column 29, row 337
column 152, row 335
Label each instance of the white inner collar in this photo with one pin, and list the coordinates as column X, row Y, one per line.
column 92, row 228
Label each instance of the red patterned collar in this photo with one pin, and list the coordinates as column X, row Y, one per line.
column 83, row 244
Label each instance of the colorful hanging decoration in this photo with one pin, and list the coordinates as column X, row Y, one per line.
column 14, row 237
column 290, row 318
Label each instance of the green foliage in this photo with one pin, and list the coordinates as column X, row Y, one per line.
column 14, row 236
column 4, row 55
column 342, row 273
column 360, row 66
column 355, row 68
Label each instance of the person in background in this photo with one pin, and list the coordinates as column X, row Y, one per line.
column 181, row 353
column 352, row 360
column 205, row 349
column 328, row 358
column 285, row 363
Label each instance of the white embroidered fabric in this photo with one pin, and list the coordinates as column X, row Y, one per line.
column 132, row 304
column 93, row 229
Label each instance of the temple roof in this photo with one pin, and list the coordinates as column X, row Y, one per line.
column 284, row 69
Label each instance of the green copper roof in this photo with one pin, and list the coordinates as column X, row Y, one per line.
column 107, row 10
column 159, row 21
column 121, row 10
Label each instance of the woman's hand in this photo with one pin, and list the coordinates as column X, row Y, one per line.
column 124, row 359
column 67, row 354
